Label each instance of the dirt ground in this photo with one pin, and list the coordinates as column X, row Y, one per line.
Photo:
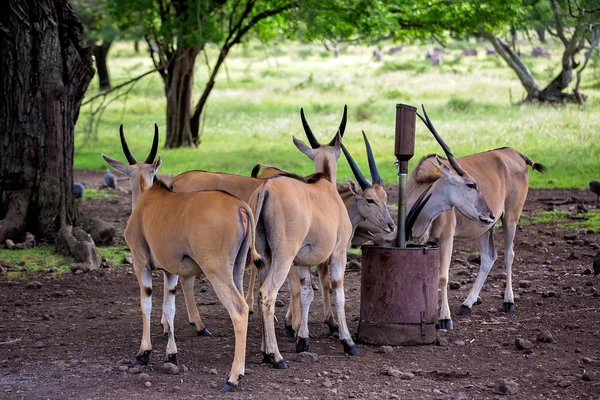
column 72, row 337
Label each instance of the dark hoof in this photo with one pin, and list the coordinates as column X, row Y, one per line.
column 333, row 329
column 508, row 307
column 301, row 345
column 270, row 359
column 289, row 332
column 172, row 358
column 204, row 332
column 228, row 387
column 142, row 359
column 351, row 350
column 464, row 310
column 250, row 315
column 445, row 324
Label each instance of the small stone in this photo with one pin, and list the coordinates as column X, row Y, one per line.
column 213, row 371
column 525, row 284
column 459, row 343
column 279, row 303
column 306, row 357
column 34, row 285
column 327, row 383
column 387, row 349
column 407, row 376
column 148, row 384
column 545, row 337
column 393, row 372
column 78, row 272
column 573, row 256
column 128, row 261
column 441, row 341
column 135, row 370
column 39, row 345
column 506, row 386
column 144, row 377
column 493, row 310
column 523, row 344
column 565, row 383
column 454, row 285
column 461, row 396
column 353, row 266
column 170, row 368
column 185, row 369
column 123, row 368
column 588, row 376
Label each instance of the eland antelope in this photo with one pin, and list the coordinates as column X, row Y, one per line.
column 366, row 204
column 466, row 201
column 185, row 234
column 302, row 222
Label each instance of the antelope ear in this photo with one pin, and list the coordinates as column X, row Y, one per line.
column 354, row 187
column 337, row 144
column 117, row 165
column 156, row 164
column 310, row 153
column 442, row 168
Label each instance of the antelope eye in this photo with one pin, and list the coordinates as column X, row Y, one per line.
column 471, row 186
column 370, row 201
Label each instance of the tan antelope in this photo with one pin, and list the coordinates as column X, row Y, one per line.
column 302, row 222
column 366, row 203
column 483, row 188
column 185, row 234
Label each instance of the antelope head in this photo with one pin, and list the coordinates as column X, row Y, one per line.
column 141, row 174
column 371, row 197
column 324, row 156
column 453, row 189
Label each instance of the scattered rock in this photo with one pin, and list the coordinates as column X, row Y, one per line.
column 474, row 259
column 123, row 368
column 545, row 337
column 170, row 368
column 128, row 261
column 454, row 285
column 144, row 377
column 39, row 345
column 34, row 285
column 387, row 349
column 572, row 256
column 138, row 369
column 441, row 341
column 565, row 383
column 525, row 284
column 459, row 343
column 306, row 357
column 587, row 271
column 213, row 371
column 327, row 383
column 461, row 396
column 101, row 232
column 148, row 384
column 353, row 266
column 506, row 386
column 393, row 372
column 523, row 344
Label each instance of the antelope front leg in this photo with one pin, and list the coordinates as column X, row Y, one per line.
column 509, row 228
column 445, row 319
column 488, row 257
column 169, row 314
column 187, row 284
column 144, row 277
column 307, row 296
column 325, row 287
column 338, row 267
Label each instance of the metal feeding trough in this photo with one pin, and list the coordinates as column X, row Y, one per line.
column 399, row 294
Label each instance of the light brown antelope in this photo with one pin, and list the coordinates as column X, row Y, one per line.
column 366, row 203
column 302, row 222
column 185, row 234
column 466, row 201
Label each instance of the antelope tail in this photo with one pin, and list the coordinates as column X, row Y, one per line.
column 535, row 166
column 253, row 255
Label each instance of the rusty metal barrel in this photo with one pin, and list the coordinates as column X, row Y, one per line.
column 398, row 299
column 399, row 295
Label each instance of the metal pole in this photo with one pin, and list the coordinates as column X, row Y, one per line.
column 401, row 237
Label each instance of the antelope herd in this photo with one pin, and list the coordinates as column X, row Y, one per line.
column 280, row 224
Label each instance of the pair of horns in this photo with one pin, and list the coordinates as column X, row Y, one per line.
column 459, row 170
column 314, row 143
column 130, row 158
column 415, row 210
column 364, row 184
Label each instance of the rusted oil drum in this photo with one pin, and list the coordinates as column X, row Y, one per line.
column 399, row 295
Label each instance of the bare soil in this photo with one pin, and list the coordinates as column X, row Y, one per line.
column 73, row 336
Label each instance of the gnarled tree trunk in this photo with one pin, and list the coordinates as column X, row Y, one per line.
column 44, row 73
column 178, row 89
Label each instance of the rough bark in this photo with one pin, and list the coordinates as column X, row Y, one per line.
column 44, row 72
column 100, row 55
column 178, row 90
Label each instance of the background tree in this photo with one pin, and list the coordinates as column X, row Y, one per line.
column 99, row 34
column 576, row 25
column 44, row 72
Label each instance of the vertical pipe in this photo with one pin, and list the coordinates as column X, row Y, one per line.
column 401, row 237
column 404, row 150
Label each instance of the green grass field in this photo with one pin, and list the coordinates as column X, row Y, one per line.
column 253, row 111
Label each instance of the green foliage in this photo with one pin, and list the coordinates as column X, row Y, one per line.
column 589, row 220
column 99, row 26
column 459, row 104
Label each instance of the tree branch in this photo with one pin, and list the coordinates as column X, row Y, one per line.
column 105, row 93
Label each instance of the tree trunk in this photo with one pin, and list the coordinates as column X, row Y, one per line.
column 136, row 46
column 541, row 32
column 178, row 90
column 100, row 54
column 44, row 73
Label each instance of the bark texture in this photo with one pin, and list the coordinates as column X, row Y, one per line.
column 44, row 72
